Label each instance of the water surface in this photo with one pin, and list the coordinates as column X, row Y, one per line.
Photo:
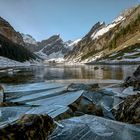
column 61, row 72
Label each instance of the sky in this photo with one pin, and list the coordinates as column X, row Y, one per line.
column 72, row 19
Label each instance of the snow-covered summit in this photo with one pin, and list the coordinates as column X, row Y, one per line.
column 29, row 39
column 119, row 19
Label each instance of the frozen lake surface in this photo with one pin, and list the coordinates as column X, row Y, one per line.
column 42, row 90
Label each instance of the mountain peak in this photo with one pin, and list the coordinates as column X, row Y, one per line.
column 28, row 39
column 95, row 28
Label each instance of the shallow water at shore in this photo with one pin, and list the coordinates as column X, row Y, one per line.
column 65, row 73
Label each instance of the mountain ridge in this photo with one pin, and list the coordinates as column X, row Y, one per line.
column 101, row 41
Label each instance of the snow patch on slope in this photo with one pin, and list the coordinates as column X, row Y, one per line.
column 75, row 42
column 103, row 31
column 72, row 44
column 6, row 62
column 56, row 57
column 108, row 27
column 118, row 19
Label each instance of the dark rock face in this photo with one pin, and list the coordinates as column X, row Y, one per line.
column 129, row 110
column 88, row 87
column 53, row 45
column 137, row 72
column 29, row 127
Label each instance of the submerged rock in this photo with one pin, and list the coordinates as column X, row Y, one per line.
column 28, row 127
column 84, row 104
column 93, row 101
column 89, row 127
column 81, row 106
column 86, row 87
column 129, row 110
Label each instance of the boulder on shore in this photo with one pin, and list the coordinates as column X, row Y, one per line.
column 28, row 127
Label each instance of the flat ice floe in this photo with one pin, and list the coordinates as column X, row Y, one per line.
column 89, row 127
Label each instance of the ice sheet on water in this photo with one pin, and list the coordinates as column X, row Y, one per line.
column 105, row 98
column 31, row 87
column 9, row 114
column 89, row 127
column 51, row 98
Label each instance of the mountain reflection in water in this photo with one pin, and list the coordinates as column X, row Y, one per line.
column 62, row 72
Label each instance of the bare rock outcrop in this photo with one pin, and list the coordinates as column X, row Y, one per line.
column 28, row 127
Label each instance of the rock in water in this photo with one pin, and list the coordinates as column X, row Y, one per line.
column 137, row 72
column 129, row 110
column 1, row 94
column 134, row 80
column 28, row 127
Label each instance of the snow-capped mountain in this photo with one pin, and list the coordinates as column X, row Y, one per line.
column 53, row 48
column 103, row 40
column 107, row 28
column 100, row 42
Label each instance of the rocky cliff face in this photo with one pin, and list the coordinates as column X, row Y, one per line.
column 104, row 40
column 30, row 43
column 53, row 48
column 8, row 31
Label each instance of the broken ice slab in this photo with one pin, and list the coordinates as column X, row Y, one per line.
column 89, row 127
column 56, row 105
column 61, row 99
column 52, row 106
column 37, row 96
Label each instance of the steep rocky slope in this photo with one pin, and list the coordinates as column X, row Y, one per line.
column 51, row 49
column 12, row 44
column 30, row 42
column 104, row 40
